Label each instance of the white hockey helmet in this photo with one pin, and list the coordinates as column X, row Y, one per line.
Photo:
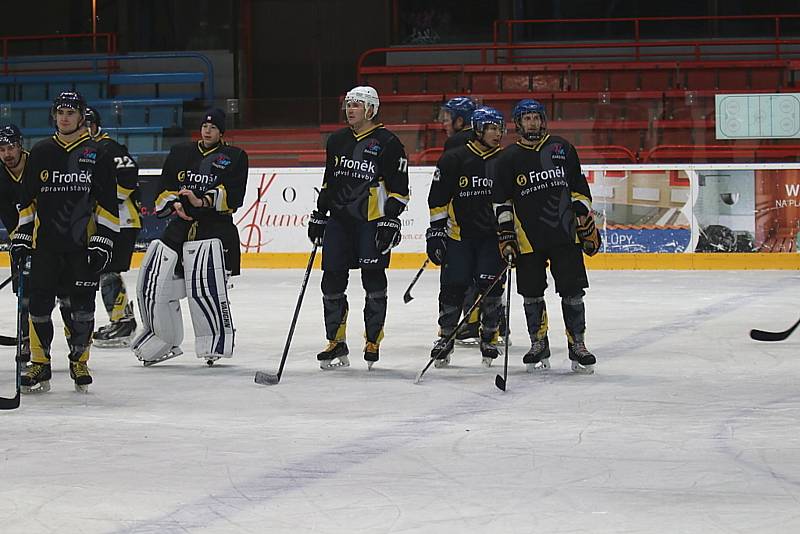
column 366, row 95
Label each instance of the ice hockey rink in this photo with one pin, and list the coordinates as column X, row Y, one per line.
column 687, row 425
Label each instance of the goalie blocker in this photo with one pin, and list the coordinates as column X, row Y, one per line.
column 159, row 290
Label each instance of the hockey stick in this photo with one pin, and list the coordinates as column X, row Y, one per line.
column 500, row 381
column 407, row 295
column 13, row 402
column 7, row 341
column 761, row 335
column 265, row 378
column 6, row 281
column 452, row 336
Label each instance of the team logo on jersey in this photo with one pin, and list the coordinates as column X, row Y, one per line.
column 463, row 181
column 373, row 147
column 89, row 155
column 44, row 175
column 437, row 174
column 221, row 161
column 182, row 176
column 522, row 180
column 559, row 153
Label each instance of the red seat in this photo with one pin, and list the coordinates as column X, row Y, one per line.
column 442, row 82
column 515, row 82
column 410, row 82
column 766, row 79
column 484, row 82
column 591, row 81
column 547, row 81
column 623, row 80
column 657, row 80
column 383, row 83
column 422, row 112
column 700, row 79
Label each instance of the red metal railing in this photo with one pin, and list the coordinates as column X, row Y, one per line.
column 94, row 39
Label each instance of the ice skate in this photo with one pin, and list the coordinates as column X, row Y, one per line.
column 335, row 356
column 36, row 378
column 116, row 334
column 582, row 360
column 371, row 353
column 538, row 358
column 489, row 353
column 174, row 352
column 468, row 334
column 442, row 349
column 79, row 372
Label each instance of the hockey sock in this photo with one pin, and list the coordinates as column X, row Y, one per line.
column 65, row 308
column 536, row 317
column 490, row 316
column 374, row 283
column 450, row 301
column 574, row 317
column 335, row 308
column 115, row 296
column 41, row 336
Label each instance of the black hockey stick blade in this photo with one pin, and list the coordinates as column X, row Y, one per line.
column 407, row 295
column 10, row 404
column 500, row 382
column 8, row 341
column 762, row 335
column 266, row 379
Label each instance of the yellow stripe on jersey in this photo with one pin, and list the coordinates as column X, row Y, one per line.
column 438, row 213
column 402, row 198
column 107, row 219
column 219, row 197
column 362, row 135
column 27, row 214
column 165, row 198
column 69, row 146
column 583, row 199
column 453, row 229
column 123, row 192
column 524, row 243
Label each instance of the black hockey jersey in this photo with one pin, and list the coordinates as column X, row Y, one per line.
column 126, row 172
column 219, row 172
column 68, row 194
column 459, row 139
column 10, row 189
column 461, row 192
column 363, row 171
column 545, row 186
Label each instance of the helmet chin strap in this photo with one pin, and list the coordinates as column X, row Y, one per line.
column 78, row 127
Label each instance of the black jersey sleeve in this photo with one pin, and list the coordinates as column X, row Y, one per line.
column 578, row 186
column 324, row 198
column 104, row 192
column 441, row 192
column 395, row 175
column 168, row 185
column 228, row 195
column 8, row 206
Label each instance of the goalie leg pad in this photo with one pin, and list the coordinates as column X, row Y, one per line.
column 158, row 293
column 207, row 291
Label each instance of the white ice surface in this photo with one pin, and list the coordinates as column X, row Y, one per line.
column 687, row 426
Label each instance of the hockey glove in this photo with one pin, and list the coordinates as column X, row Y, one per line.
column 99, row 253
column 387, row 236
column 316, row 227
column 21, row 246
column 436, row 244
column 588, row 234
column 507, row 241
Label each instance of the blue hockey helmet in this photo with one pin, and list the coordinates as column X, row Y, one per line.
column 460, row 106
column 10, row 135
column 487, row 115
column 525, row 106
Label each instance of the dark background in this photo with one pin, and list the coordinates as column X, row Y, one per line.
column 309, row 48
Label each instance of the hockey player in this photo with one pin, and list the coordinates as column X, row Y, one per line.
column 202, row 183
column 456, row 118
column 462, row 237
column 364, row 191
column 68, row 222
column 14, row 159
column 112, row 287
column 543, row 207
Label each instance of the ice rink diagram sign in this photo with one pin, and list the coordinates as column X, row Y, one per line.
column 758, row 116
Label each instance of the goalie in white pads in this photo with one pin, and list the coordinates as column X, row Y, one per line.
column 203, row 184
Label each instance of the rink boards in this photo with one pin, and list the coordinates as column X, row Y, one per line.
column 714, row 216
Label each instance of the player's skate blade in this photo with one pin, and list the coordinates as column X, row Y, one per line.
column 335, row 363
column 173, row 353
column 41, row 387
column 582, row 369
column 541, row 365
